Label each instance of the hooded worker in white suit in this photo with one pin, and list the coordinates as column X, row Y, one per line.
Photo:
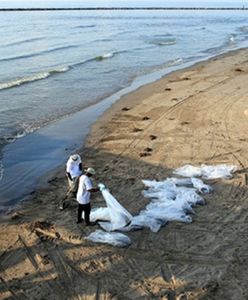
column 73, row 171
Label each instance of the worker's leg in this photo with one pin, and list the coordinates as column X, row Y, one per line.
column 87, row 209
column 75, row 186
column 80, row 210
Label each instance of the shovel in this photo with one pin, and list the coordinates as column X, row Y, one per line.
column 68, row 193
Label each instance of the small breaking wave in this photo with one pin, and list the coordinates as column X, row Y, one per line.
column 11, row 139
column 231, row 41
column 213, row 50
column 30, row 55
column 1, row 170
column 35, row 77
column 85, row 26
column 174, row 62
column 24, row 130
column 163, row 40
column 46, row 74
column 105, row 56
column 97, row 58
column 166, row 43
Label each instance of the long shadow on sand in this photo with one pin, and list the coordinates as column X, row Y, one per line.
column 50, row 259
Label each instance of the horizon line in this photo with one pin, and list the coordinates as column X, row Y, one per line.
column 121, row 8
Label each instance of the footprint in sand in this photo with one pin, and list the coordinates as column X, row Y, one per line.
column 148, row 149
column 185, row 123
column 239, row 70
column 143, row 154
column 152, row 137
column 125, row 108
column 137, row 129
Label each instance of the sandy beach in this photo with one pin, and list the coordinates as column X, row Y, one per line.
column 193, row 116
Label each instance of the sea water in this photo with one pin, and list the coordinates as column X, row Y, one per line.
column 56, row 63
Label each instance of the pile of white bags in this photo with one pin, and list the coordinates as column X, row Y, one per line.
column 171, row 200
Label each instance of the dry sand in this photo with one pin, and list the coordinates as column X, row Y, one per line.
column 198, row 115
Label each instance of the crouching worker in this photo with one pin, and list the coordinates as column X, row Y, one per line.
column 73, row 172
column 85, row 188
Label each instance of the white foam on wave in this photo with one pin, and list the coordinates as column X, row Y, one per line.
column 108, row 55
column 35, row 77
column 174, row 62
column 46, row 74
column 167, row 40
column 26, row 129
column 105, row 56
column 167, row 43
column 231, row 41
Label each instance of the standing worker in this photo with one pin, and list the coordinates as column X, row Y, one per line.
column 85, row 188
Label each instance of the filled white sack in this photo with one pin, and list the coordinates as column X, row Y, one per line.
column 180, row 181
column 218, row 171
column 101, row 213
column 112, row 238
column 200, row 186
column 188, row 171
column 191, row 196
column 208, row 172
column 171, row 200
column 115, row 214
column 143, row 220
column 168, row 211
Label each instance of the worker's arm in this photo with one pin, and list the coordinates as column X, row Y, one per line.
column 69, row 175
column 68, row 170
column 93, row 190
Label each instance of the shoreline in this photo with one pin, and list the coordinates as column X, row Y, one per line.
column 195, row 115
column 39, row 167
column 97, row 111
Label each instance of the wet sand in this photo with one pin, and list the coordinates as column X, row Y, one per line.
column 197, row 115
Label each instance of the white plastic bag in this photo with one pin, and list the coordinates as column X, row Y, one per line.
column 200, row 186
column 142, row 220
column 208, row 172
column 112, row 238
column 188, row 171
column 218, row 171
column 100, row 214
column 115, row 214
